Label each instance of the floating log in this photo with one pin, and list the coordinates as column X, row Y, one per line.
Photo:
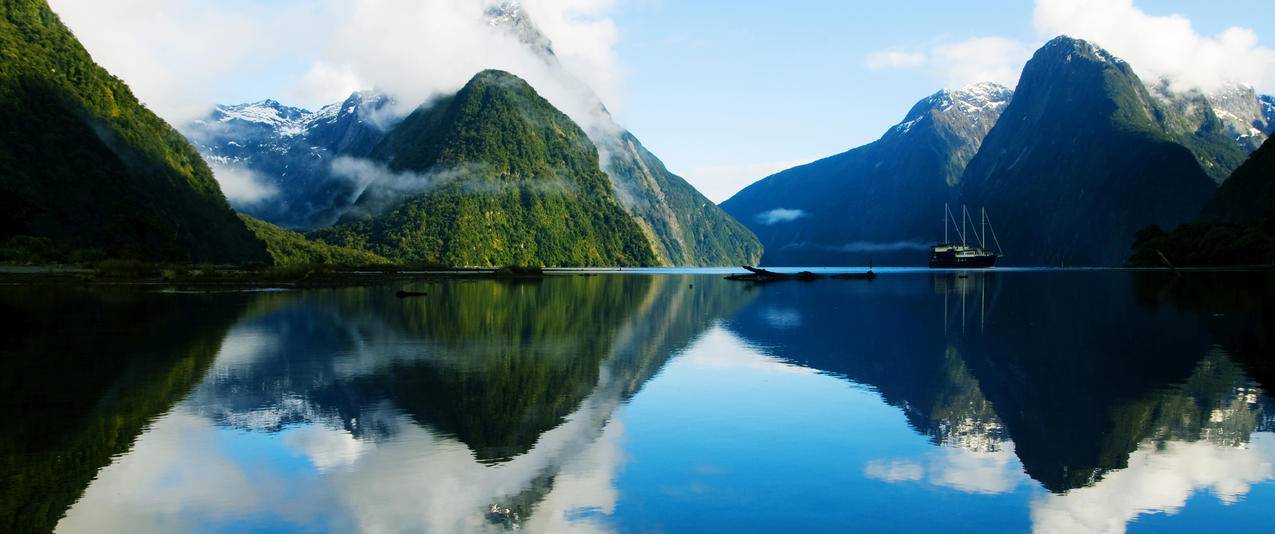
column 1166, row 261
column 405, row 294
column 759, row 275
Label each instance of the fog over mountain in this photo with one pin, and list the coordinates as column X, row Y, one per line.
column 280, row 159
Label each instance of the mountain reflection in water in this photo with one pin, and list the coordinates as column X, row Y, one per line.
column 1053, row 401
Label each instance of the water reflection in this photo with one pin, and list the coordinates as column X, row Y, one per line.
column 1054, row 401
column 1109, row 388
column 84, row 372
column 484, row 405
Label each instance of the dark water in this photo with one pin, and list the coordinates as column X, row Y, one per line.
column 1015, row 401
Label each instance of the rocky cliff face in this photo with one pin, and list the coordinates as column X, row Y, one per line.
column 882, row 201
column 286, row 153
column 1083, row 157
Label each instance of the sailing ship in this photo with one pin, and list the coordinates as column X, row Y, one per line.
column 963, row 255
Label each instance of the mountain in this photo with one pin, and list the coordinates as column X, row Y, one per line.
column 1249, row 194
column 1249, row 119
column 1267, row 103
column 1217, row 127
column 289, row 151
column 288, row 248
column 882, row 201
column 499, row 177
column 1236, row 227
column 1232, row 110
column 684, row 227
column 85, row 166
column 1084, row 156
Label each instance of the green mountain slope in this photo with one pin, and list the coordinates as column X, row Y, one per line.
column 1193, row 119
column 1237, row 227
column 1083, row 157
column 84, row 164
column 1249, row 194
column 288, row 248
column 503, row 178
column 685, row 227
column 882, row 201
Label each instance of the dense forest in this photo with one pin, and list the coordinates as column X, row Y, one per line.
column 502, row 178
column 86, row 166
column 1237, row 226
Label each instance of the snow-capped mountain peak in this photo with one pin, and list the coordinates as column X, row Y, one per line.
column 981, row 96
column 977, row 102
column 287, row 121
column 359, row 103
column 509, row 15
column 267, row 112
column 290, row 149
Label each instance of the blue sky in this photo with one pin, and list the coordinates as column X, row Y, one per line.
column 725, row 92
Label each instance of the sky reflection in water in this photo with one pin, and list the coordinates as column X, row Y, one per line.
column 1053, row 402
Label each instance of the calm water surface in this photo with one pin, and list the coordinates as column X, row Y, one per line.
column 998, row 402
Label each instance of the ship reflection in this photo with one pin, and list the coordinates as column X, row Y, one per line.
column 1085, row 399
column 962, row 290
column 1070, row 371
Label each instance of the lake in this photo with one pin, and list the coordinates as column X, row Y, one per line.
column 1009, row 401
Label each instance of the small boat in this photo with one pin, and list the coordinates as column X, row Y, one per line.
column 951, row 255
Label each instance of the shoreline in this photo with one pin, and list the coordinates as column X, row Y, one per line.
column 230, row 278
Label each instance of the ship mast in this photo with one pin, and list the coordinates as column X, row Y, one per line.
column 993, row 229
column 964, row 217
column 982, row 237
column 949, row 216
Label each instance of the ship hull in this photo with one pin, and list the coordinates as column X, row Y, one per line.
column 967, row 262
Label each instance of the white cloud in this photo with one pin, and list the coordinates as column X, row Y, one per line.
column 242, row 186
column 584, row 39
column 1162, row 46
column 183, row 56
column 324, row 84
column 180, row 56
column 961, row 63
column 1156, row 46
column 1159, row 479
column 894, row 470
column 326, row 449
column 959, row 468
column 719, row 349
column 779, row 215
column 972, row 471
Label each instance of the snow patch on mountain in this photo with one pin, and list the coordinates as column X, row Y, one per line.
column 976, row 103
column 288, row 121
column 267, row 150
column 1268, row 112
column 510, row 16
column 267, row 112
column 1243, row 113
